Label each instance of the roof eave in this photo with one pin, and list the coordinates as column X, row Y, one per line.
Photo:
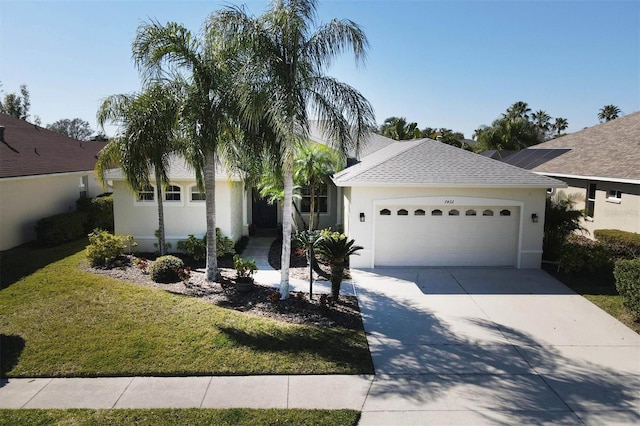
column 598, row 178
column 452, row 185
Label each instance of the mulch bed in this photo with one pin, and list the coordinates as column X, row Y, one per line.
column 297, row 309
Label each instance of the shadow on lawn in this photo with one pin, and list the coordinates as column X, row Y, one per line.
column 11, row 348
column 344, row 352
column 25, row 260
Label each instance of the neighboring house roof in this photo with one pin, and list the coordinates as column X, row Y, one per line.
column 372, row 143
column 607, row 151
column 426, row 162
column 179, row 169
column 532, row 158
column 30, row 150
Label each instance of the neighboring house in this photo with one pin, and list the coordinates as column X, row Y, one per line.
column 42, row 173
column 601, row 164
column 425, row 203
column 409, row 203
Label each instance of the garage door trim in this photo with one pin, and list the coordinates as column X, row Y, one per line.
column 452, row 201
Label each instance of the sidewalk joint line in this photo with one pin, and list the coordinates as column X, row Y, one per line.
column 37, row 393
column 206, row 391
column 125, row 389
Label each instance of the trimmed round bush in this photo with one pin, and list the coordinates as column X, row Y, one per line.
column 165, row 269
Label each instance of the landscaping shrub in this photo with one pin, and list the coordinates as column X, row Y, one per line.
column 581, row 255
column 194, row 247
column 165, row 269
column 624, row 245
column 561, row 220
column 99, row 211
column 61, row 228
column 241, row 244
column 224, row 245
column 627, row 274
column 105, row 247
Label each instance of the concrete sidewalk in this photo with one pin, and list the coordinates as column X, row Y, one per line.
column 319, row 392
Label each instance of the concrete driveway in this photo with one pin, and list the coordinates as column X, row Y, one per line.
column 493, row 346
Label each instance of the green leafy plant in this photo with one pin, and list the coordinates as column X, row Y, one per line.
column 224, row 245
column 624, row 245
column 580, row 255
column 105, row 247
column 627, row 274
column 194, row 247
column 165, row 269
column 561, row 220
column 335, row 249
column 61, row 228
column 245, row 268
column 167, row 245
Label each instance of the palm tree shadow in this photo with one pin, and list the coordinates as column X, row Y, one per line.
column 11, row 347
column 423, row 361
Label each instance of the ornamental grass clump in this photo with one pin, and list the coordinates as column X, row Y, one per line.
column 165, row 269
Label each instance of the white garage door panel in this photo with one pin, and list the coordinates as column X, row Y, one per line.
column 446, row 240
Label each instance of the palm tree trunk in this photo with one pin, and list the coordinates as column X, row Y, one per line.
column 337, row 273
column 210, row 200
column 161, row 239
column 286, row 225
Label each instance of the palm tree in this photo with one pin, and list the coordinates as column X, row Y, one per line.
column 147, row 136
column 335, row 248
column 397, row 128
column 284, row 80
column 519, row 109
column 313, row 166
column 172, row 50
column 608, row 113
column 560, row 125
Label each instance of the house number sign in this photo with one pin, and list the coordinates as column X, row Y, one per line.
column 449, row 202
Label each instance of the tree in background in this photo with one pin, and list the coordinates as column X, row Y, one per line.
column 519, row 109
column 17, row 105
column 560, row 125
column 76, row 128
column 608, row 113
column 397, row 128
column 147, row 136
column 284, row 77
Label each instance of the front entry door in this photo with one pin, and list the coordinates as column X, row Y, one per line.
column 264, row 215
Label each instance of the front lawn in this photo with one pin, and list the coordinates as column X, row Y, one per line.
column 61, row 321
column 192, row 416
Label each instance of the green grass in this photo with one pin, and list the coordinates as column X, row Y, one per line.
column 179, row 417
column 61, row 321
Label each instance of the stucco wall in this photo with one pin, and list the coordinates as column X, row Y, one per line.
column 609, row 214
column 363, row 200
column 24, row 201
column 140, row 219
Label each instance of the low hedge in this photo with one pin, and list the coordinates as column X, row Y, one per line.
column 581, row 255
column 61, row 228
column 627, row 274
column 99, row 211
column 622, row 243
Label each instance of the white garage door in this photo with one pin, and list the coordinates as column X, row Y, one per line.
column 446, row 236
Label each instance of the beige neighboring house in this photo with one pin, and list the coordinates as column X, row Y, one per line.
column 42, row 173
column 601, row 164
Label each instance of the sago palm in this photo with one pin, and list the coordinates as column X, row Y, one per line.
column 283, row 83
column 335, row 249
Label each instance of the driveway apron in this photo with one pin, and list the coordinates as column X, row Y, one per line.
column 493, row 346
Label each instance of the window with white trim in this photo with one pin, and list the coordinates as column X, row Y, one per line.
column 172, row 193
column 591, row 200
column 321, row 199
column 614, row 196
column 403, row 212
column 146, row 194
column 197, row 195
column 487, row 212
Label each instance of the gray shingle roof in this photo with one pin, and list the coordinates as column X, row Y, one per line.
column 609, row 150
column 372, row 143
column 426, row 162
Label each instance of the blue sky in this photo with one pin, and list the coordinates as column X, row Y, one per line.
column 454, row 64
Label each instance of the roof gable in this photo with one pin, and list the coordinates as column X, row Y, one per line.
column 426, row 162
column 29, row 150
column 608, row 150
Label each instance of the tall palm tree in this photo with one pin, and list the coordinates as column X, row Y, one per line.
column 560, row 125
column 608, row 113
column 170, row 51
column 285, row 81
column 147, row 136
column 313, row 166
column 519, row 109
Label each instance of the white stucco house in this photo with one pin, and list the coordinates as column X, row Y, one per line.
column 42, row 173
column 409, row 203
column 601, row 164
